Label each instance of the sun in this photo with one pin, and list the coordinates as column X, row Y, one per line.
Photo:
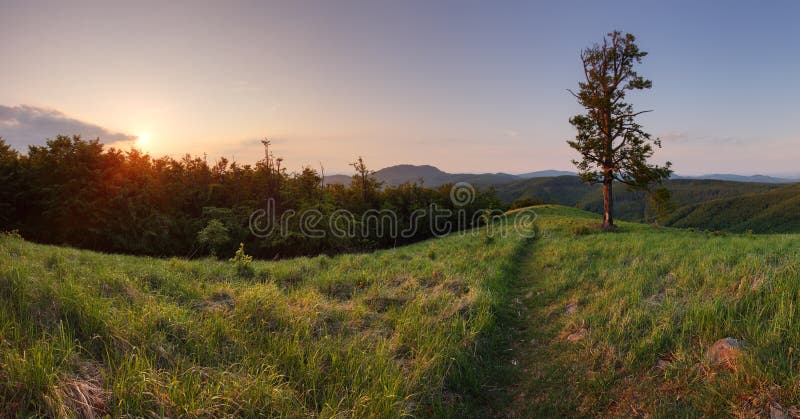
column 143, row 141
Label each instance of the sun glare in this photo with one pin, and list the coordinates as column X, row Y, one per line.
column 143, row 141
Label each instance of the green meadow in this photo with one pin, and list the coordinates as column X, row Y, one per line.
column 575, row 322
column 620, row 324
column 397, row 332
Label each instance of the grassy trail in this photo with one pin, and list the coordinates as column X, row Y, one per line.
column 620, row 324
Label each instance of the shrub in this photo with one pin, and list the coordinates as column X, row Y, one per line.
column 582, row 230
column 527, row 202
column 214, row 235
column 243, row 263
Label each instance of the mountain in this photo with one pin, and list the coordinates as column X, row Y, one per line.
column 337, row 179
column 740, row 178
column 428, row 175
column 564, row 187
column 432, row 176
column 402, row 173
column 546, row 173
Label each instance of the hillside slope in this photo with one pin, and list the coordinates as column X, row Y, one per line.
column 575, row 323
column 774, row 211
column 385, row 334
column 629, row 205
column 623, row 324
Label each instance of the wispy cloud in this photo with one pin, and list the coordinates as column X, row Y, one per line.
column 25, row 125
column 245, row 87
column 683, row 137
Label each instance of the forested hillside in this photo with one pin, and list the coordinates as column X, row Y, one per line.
column 631, row 205
column 774, row 211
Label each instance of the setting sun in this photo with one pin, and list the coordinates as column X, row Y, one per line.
column 143, row 142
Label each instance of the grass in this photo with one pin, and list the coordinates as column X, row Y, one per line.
column 408, row 331
column 577, row 323
column 648, row 303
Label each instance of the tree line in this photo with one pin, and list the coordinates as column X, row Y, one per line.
column 81, row 193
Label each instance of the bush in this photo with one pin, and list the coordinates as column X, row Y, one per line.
column 243, row 263
column 527, row 202
column 214, row 235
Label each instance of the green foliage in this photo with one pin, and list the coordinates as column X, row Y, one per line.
column 661, row 203
column 774, row 211
column 613, row 146
column 9, row 187
column 77, row 192
column 243, row 263
column 214, row 235
column 526, row 202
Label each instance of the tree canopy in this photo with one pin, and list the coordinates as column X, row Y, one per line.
column 613, row 146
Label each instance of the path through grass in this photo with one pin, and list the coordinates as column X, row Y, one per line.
column 618, row 324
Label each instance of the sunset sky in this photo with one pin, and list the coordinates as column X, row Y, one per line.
column 467, row 86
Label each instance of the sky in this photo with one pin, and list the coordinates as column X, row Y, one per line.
column 467, row 86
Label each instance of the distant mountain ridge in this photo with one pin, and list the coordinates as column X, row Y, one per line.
column 429, row 176
column 432, row 176
column 763, row 204
column 740, row 178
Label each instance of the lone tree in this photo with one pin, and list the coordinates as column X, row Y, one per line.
column 362, row 175
column 612, row 145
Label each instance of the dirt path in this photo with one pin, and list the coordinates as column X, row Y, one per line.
column 541, row 350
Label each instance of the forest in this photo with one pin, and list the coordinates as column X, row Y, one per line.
column 80, row 193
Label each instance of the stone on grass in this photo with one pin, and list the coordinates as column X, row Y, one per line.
column 776, row 411
column 724, row 352
column 571, row 308
column 578, row 335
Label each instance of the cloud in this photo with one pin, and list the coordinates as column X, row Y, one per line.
column 245, row 87
column 24, row 125
column 682, row 137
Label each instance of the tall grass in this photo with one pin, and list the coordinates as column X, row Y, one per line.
column 407, row 331
column 652, row 301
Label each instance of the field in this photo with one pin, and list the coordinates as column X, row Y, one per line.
column 621, row 324
column 391, row 333
column 576, row 322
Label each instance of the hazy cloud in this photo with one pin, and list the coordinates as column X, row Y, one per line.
column 682, row 137
column 25, row 125
column 245, row 87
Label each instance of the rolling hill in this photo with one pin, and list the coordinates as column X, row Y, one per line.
column 432, row 176
column 740, row 178
column 384, row 334
column 773, row 211
column 655, row 322
column 629, row 205
column 575, row 322
column 766, row 207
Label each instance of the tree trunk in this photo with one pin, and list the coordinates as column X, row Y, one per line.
column 608, row 202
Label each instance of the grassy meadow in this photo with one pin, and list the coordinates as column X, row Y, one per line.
column 576, row 323
column 618, row 324
column 386, row 334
